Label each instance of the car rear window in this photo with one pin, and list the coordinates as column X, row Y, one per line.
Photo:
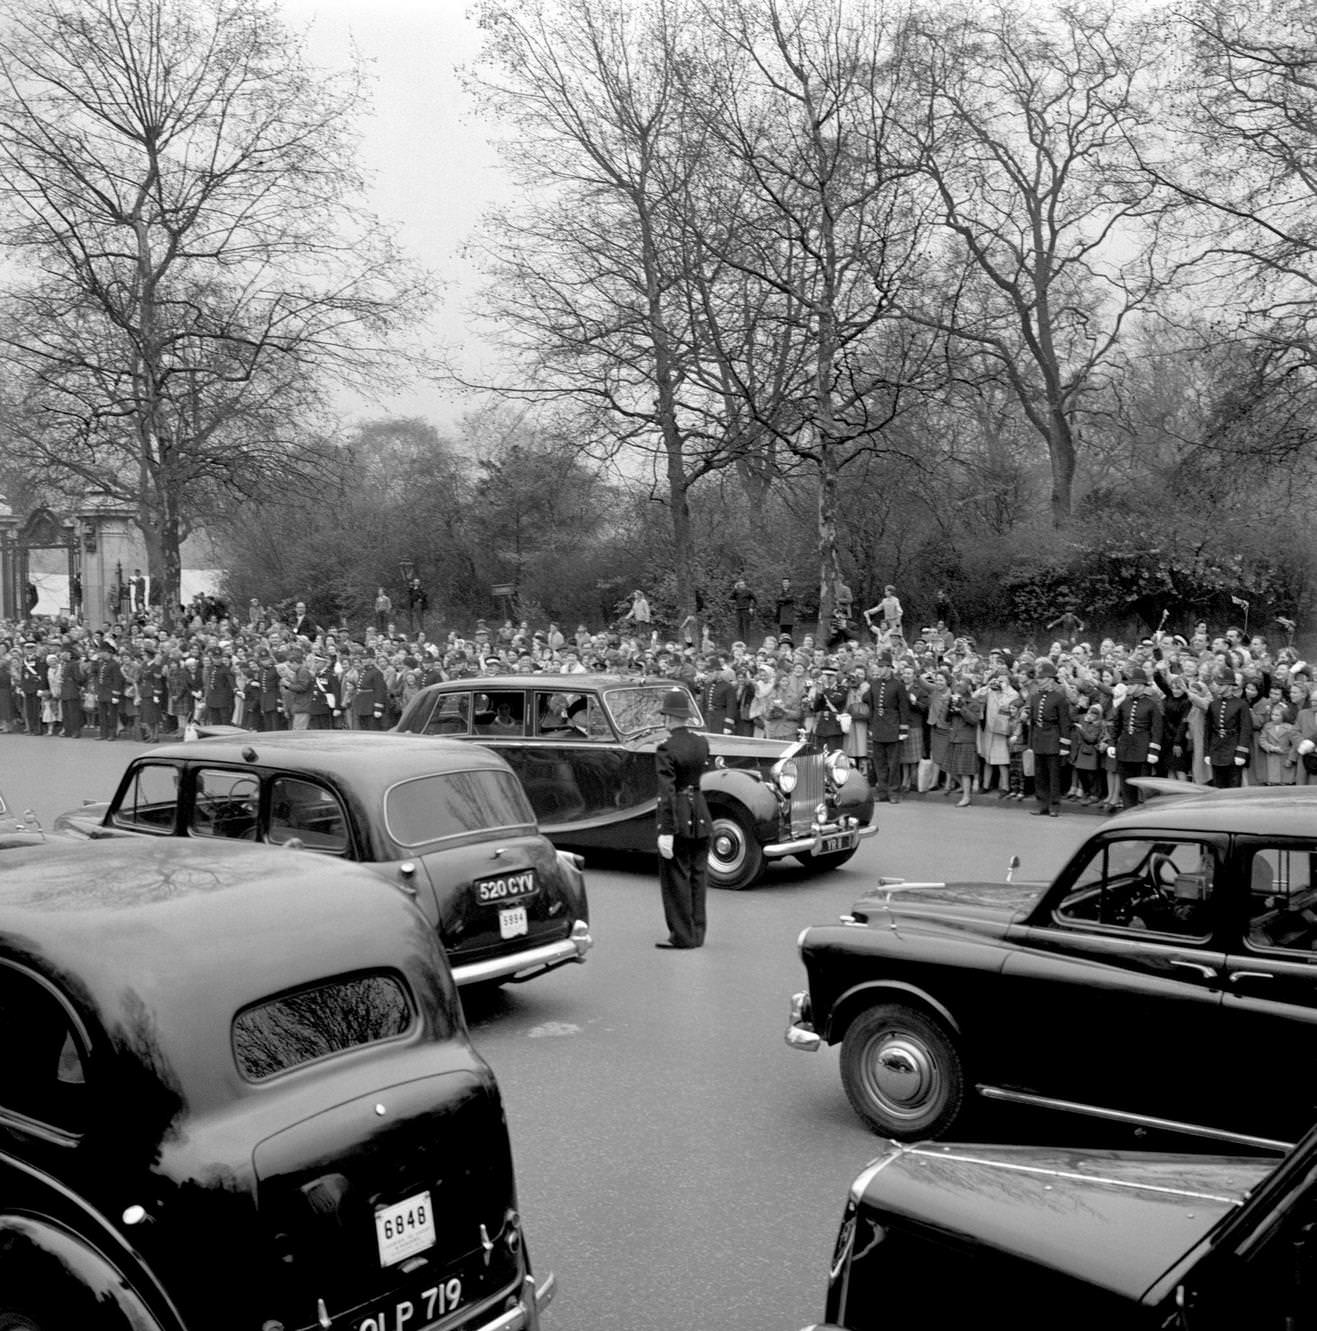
column 318, row 1021
column 429, row 808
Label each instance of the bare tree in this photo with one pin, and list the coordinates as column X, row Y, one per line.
column 179, row 188
column 804, row 100
column 591, row 278
column 1248, row 98
column 1029, row 134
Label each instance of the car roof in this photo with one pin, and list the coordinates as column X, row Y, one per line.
column 1289, row 811
column 159, row 941
column 566, row 683
column 383, row 755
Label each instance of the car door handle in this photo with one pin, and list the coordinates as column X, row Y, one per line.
column 1248, row 975
column 1204, row 970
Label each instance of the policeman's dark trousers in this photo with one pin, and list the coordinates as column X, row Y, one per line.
column 1129, row 795
column 887, row 769
column 684, row 881
column 1047, row 779
column 1226, row 778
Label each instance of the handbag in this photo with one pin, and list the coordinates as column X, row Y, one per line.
column 1027, row 763
column 844, row 721
column 925, row 775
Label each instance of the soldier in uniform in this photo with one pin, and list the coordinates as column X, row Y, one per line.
column 1048, row 721
column 1138, row 735
column 889, row 723
column 1228, row 732
column 684, row 827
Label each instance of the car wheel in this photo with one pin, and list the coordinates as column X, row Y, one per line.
column 819, row 863
column 736, row 858
column 902, row 1072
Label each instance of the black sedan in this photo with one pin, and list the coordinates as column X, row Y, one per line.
column 1038, row 1238
column 583, row 746
column 448, row 823
column 1167, row 978
column 238, row 1092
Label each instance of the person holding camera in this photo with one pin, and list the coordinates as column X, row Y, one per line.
column 964, row 712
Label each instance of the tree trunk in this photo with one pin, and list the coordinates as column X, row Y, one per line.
column 828, row 567
column 1061, row 449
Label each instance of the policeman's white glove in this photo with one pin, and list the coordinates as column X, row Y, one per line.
column 1306, row 746
column 1111, row 751
column 665, row 845
column 1239, row 762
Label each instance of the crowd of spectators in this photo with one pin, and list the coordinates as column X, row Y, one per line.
column 932, row 711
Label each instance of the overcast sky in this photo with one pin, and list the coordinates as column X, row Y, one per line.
column 434, row 170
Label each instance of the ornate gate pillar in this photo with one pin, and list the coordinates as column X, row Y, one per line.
column 11, row 599
column 111, row 548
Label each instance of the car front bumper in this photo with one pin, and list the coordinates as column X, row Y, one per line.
column 527, row 964
column 812, row 842
column 800, row 1032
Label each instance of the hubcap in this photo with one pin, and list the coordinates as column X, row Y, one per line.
column 727, row 847
column 903, row 1075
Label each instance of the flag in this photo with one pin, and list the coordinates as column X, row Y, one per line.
column 1239, row 600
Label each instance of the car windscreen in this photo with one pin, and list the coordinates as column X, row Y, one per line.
column 323, row 1019
column 636, row 709
column 447, row 804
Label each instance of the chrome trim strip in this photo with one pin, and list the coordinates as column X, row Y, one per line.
column 534, row 958
column 1073, row 1176
column 1138, row 1120
column 872, row 1170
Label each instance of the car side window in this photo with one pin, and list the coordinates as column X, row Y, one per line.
column 307, row 812
column 151, row 801
column 1282, row 898
column 451, row 715
column 503, row 713
column 224, row 804
column 1157, row 885
column 41, row 1054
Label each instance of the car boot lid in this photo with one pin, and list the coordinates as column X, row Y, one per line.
column 1108, row 1219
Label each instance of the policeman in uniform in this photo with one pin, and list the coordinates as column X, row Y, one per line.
column 889, row 724
column 1048, row 719
column 1138, row 727
column 684, row 827
column 1229, row 730
column 829, row 702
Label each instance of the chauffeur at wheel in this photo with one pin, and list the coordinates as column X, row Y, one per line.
column 684, row 827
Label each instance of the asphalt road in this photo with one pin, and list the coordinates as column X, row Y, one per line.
column 679, row 1167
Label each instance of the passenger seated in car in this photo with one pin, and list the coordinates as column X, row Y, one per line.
column 554, row 717
column 504, row 723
